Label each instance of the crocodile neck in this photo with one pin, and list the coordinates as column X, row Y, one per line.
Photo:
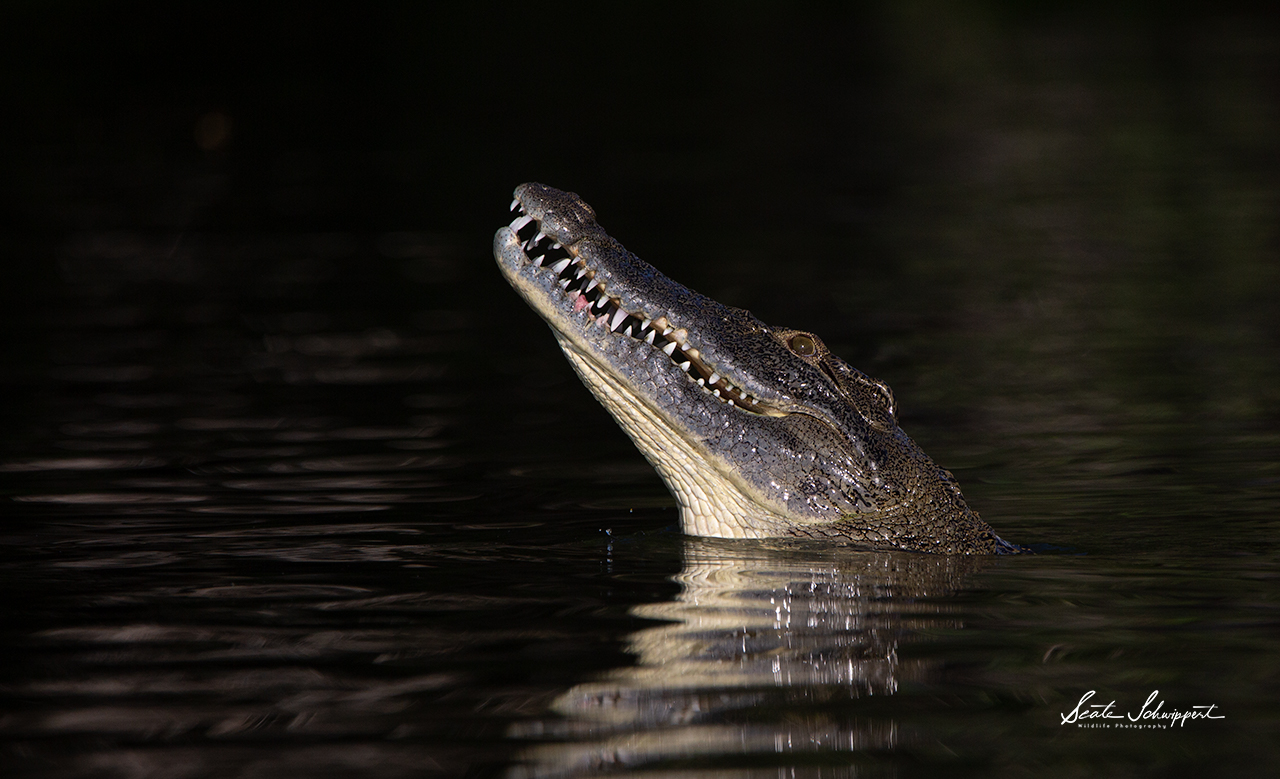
column 757, row 431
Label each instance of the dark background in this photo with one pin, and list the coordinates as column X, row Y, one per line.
column 412, row 114
column 807, row 144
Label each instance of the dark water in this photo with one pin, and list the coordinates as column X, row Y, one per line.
column 294, row 485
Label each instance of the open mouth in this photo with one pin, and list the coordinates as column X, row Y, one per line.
column 585, row 291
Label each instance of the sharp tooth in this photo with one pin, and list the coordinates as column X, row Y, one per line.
column 559, row 266
column 649, row 338
column 582, row 271
column 618, row 316
column 754, row 401
column 716, row 393
column 555, row 245
column 701, row 381
column 713, row 378
column 538, row 260
column 514, row 204
column 602, row 302
column 590, row 285
column 684, row 366
column 731, row 403
column 564, row 284
column 669, row 348
column 627, row 332
column 667, row 330
column 645, row 323
column 539, row 236
column 519, row 223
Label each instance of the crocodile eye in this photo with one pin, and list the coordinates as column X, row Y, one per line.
column 803, row 345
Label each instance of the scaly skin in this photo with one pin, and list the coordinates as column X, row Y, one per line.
column 757, row 431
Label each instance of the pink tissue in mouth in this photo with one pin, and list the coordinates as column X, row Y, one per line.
column 580, row 303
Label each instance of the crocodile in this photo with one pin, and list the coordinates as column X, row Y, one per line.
column 758, row 431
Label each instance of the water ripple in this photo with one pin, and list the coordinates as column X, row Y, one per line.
column 110, row 498
column 81, row 464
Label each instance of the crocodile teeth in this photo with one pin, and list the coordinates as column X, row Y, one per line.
column 608, row 313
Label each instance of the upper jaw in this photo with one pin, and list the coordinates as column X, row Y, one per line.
column 554, row 248
column 561, row 215
column 599, row 296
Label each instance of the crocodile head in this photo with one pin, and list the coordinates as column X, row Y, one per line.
column 758, row 431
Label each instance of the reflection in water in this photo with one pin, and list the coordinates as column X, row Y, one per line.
column 761, row 656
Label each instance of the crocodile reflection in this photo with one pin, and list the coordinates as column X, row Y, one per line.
column 762, row 655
